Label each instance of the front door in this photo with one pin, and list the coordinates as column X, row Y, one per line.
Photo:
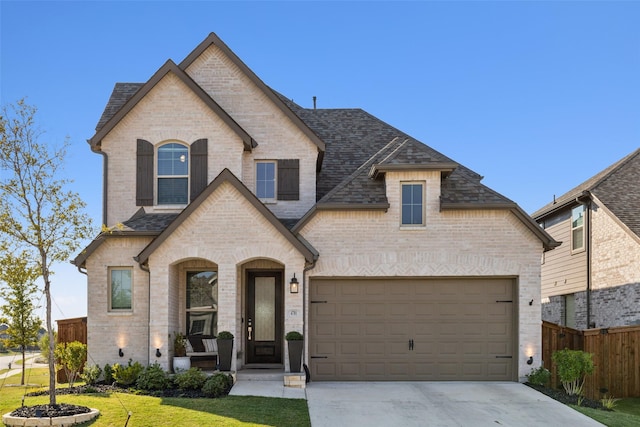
column 264, row 319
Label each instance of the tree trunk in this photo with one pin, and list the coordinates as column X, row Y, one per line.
column 52, row 368
column 23, row 365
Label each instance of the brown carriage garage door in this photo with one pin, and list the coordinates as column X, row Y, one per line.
column 412, row 329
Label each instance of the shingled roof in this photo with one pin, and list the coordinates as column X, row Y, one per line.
column 617, row 186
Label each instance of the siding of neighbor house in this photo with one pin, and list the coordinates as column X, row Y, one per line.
column 564, row 272
column 615, row 271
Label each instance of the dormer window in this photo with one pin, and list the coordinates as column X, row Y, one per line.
column 173, row 174
column 412, row 209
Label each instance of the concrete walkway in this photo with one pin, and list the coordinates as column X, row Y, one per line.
column 267, row 389
column 436, row 404
column 16, row 366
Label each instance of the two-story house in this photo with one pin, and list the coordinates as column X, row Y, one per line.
column 593, row 278
column 233, row 208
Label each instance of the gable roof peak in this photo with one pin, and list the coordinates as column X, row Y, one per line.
column 169, row 67
column 213, row 39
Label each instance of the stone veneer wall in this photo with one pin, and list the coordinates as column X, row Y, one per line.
column 610, row 307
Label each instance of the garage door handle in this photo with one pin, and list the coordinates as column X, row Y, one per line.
column 319, row 357
column 411, row 345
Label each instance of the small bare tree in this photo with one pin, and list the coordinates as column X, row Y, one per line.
column 37, row 214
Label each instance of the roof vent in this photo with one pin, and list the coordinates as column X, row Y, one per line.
column 314, row 102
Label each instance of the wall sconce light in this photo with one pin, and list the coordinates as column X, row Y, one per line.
column 293, row 284
column 530, row 360
column 531, row 302
column 158, row 354
column 120, row 352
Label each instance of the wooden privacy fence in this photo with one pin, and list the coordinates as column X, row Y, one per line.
column 616, row 356
column 70, row 330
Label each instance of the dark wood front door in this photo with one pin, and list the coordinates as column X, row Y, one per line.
column 264, row 317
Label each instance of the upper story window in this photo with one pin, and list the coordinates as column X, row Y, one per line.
column 120, row 286
column 170, row 174
column 412, row 199
column 577, row 228
column 173, row 174
column 278, row 179
column 266, row 180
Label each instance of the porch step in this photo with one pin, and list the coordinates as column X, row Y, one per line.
column 260, row 375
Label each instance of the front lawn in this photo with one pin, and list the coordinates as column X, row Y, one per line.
column 625, row 414
column 156, row 411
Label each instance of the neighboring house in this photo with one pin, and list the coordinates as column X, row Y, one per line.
column 593, row 279
column 219, row 192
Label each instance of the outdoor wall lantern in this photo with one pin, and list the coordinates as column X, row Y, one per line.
column 530, row 360
column 158, row 354
column 293, row 284
column 120, row 352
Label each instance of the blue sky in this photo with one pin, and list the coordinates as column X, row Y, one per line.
column 535, row 96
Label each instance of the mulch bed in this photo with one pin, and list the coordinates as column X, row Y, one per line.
column 46, row 411
column 561, row 396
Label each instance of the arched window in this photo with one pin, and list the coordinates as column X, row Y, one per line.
column 173, row 174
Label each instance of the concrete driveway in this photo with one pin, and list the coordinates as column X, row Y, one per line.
column 335, row 404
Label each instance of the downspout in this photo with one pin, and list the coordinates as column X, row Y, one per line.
column 304, row 310
column 588, row 249
column 105, row 166
column 144, row 267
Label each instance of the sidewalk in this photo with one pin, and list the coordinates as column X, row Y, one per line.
column 16, row 369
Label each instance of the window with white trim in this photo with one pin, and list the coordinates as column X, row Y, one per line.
column 173, row 174
column 120, row 289
column 266, row 180
column 412, row 200
column 577, row 228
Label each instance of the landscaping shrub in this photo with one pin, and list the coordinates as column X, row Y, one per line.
column 71, row 356
column 217, row 385
column 108, row 374
column 539, row 376
column 153, row 377
column 127, row 375
column 90, row 374
column 191, row 379
column 573, row 366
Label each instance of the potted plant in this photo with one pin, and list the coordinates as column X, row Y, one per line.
column 181, row 362
column 295, row 342
column 225, row 350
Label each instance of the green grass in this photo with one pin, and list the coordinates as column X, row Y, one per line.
column 153, row 411
column 626, row 413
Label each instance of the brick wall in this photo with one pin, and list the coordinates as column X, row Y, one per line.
column 453, row 243
column 228, row 232
column 109, row 331
column 277, row 136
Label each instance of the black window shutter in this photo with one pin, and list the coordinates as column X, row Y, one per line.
column 198, row 167
column 144, row 173
column 289, row 179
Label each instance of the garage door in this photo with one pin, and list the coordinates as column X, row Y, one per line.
column 412, row 329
